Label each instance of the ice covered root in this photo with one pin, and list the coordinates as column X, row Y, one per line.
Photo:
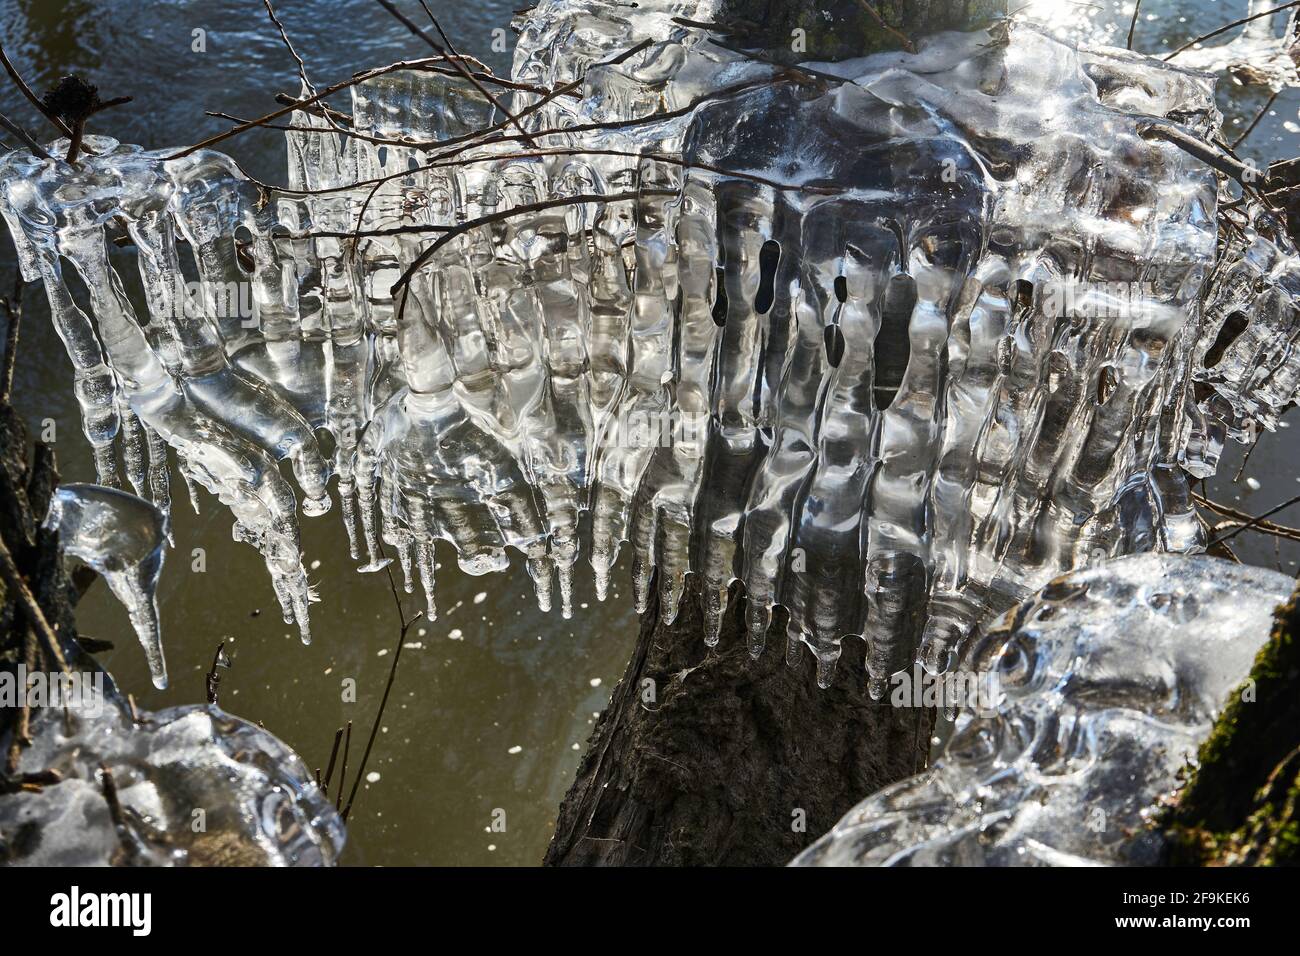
column 122, row 537
column 1077, row 711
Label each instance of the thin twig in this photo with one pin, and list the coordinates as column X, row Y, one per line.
column 1264, row 527
column 454, row 60
column 35, row 100
column 1258, row 116
column 35, row 616
column 13, row 306
column 1137, row 7
column 343, row 771
column 334, row 753
column 908, row 45
column 550, row 151
column 22, row 727
column 284, row 38
column 214, row 676
column 1254, row 522
column 383, row 701
column 1235, row 23
column 1202, row 150
column 36, row 148
column 459, row 230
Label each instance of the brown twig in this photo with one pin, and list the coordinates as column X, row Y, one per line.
column 451, row 232
column 1258, row 116
column 1255, row 521
column 343, row 771
column 219, row 660
column 22, row 726
column 36, row 148
column 383, row 701
column 334, row 753
column 13, row 306
column 1229, row 166
column 1132, row 25
column 35, row 100
column 1235, row 23
column 454, row 60
column 35, row 616
column 1264, row 527
column 908, row 45
column 284, row 38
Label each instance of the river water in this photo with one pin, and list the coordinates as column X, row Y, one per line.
column 493, row 702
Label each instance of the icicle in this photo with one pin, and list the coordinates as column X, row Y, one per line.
column 122, row 537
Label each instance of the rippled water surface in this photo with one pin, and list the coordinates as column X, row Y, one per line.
column 491, row 703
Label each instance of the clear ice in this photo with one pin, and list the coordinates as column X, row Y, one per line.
column 889, row 351
column 194, row 786
column 1108, row 680
column 122, row 537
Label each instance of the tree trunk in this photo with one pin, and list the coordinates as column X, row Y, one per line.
column 708, row 757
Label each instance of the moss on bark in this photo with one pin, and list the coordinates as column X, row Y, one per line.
column 1241, row 806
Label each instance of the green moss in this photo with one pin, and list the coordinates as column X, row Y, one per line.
column 1240, row 805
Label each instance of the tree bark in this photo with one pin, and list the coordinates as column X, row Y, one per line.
column 706, row 757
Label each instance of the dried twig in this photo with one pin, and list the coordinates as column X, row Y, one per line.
column 35, row 616
column 13, row 307
column 383, row 701
column 35, row 100
column 1132, row 25
column 1235, row 23
column 1255, row 521
column 284, row 38
column 454, row 60
column 219, row 660
column 1264, row 527
column 26, row 138
column 334, row 754
column 1268, row 105
column 451, row 232
column 343, row 771
column 22, row 726
column 901, row 37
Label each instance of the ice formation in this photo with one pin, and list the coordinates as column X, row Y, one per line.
column 190, row 786
column 1265, row 51
column 123, row 538
column 889, row 349
column 1110, row 678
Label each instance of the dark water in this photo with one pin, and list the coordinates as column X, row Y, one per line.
column 493, row 674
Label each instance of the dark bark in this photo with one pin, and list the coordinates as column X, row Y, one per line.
column 713, row 767
column 25, row 489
